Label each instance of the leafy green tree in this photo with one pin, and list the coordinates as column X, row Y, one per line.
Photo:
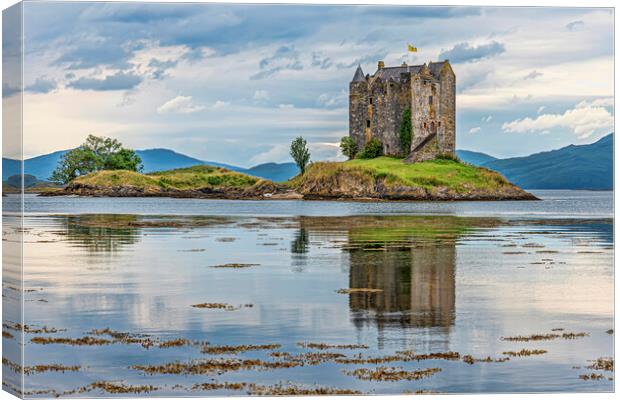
column 372, row 149
column 95, row 154
column 300, row 153
column 348, row 147
column 406, row 132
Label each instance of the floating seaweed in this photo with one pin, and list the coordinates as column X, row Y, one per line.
column 37, row 369
column 214, row 366
column 325, row 346
column 220, row 385
column 15, row 326
column 609, row 331
column 545, row 336
column 296, row 390
column 391, row 374
column 7, row 335
column 592, row 376
column 124, row 337
column 119, row 388
column 235, row 265
column 469, row 359
column 221, row 306
column 239, row 348
column 524, row 353
column 180, row 342
column 603, row 363
column 83, row 341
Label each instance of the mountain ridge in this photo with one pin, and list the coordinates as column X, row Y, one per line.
column 588, row 167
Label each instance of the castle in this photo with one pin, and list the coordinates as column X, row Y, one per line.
column 377, row 104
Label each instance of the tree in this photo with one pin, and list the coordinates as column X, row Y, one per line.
column 406, row 132
column 348, row 147
column 372, row 149
column 95, row 154
column 300, row 153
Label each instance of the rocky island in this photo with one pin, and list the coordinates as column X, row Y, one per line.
column 382, row 178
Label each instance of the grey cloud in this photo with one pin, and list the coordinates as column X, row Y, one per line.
column 319, row 61
column 533, row 75
column 575, row 25
column 42, row 85
column 161, row 67
column 285, row 58
column 372, row 58
column 119, row 81
column 464, row 52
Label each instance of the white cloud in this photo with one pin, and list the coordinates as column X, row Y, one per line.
column 261, row 95
column 585, row 119
column 474, row 130
column 277, row 153
column 603, row 102
column 286, row 106
column 488, row 118
column 540, row 109
column 331, row 100
column 220, row 104
column 180, row 105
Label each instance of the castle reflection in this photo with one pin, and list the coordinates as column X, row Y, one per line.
column 407, row 262
column 416, row 286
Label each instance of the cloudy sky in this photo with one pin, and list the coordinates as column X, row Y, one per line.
column 235, row 83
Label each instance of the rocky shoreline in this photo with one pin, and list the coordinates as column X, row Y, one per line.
column 272, row 191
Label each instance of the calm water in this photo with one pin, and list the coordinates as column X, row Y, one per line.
column 442, row 279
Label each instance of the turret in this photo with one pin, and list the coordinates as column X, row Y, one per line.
column 359, row 75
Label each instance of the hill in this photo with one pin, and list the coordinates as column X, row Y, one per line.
column 273, row 171
column 153, row 160
column 572, row 167
column 474, row 157
column 391, row 179
column 200, row 181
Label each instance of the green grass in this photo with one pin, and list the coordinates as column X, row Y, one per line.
column 430, row 174
column 196, row 177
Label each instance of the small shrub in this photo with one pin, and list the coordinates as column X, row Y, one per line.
column 406, row 132
column 448, row 156
column 348, row 147
column 372, row 149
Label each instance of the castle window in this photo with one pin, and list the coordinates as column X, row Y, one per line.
column 430, row 100
column 439, row 124
column 371, row 100
column 367, row 123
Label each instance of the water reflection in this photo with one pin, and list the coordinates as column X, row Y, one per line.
column 417, row 287
column 101, row 233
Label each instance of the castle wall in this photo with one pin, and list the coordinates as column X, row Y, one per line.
column 358, row 112
column 376, row 107
column 389, row 102
column 447, row 110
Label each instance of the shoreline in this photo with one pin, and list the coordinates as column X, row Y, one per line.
column 288, row 195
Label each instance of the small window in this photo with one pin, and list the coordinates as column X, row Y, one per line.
column 430, row 100
column 439, row 124
column 371, row 100
column 367, row 123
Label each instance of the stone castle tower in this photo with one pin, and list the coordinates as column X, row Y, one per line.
column 377, row 104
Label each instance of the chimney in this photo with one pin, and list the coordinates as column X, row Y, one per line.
column 381, row 65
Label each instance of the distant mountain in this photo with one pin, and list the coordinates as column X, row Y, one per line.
column 588, row 166
column 273, row 171
column 152, row 160
column 164, row 159
column 572, row 167
column 474, row 157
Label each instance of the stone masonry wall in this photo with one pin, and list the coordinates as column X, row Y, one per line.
column 376, row 107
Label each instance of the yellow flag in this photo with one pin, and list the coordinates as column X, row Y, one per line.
column 411, row 48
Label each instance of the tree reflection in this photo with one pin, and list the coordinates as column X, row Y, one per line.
column 101, row 233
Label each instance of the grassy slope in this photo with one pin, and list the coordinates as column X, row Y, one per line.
column 195, row 177
column 451, row 174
